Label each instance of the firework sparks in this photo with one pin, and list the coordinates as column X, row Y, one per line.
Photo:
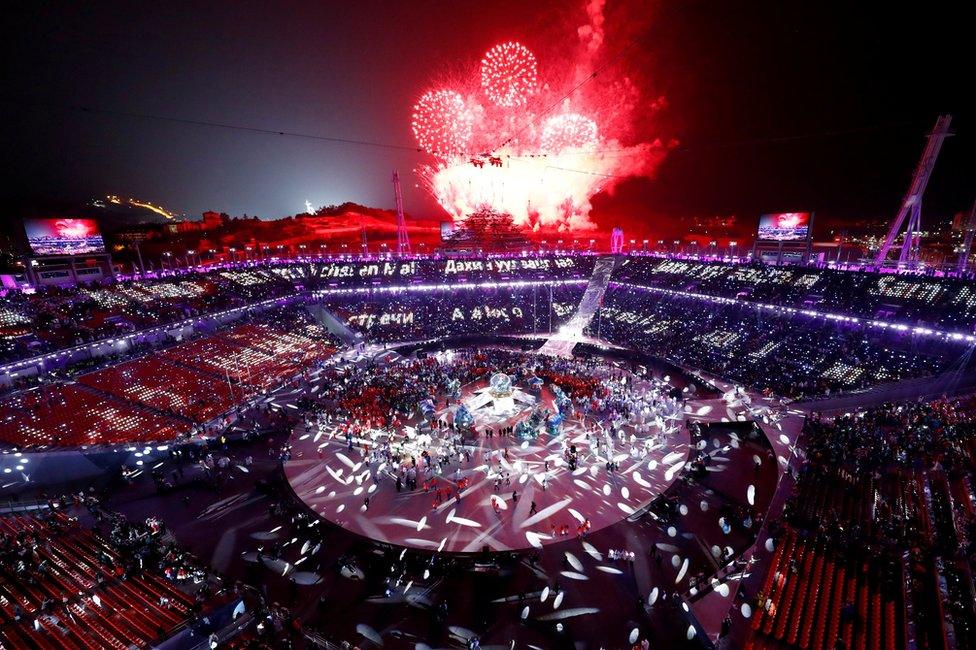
column 514, row 141
column 568, row 131
column 442, row 123
column 508, row 74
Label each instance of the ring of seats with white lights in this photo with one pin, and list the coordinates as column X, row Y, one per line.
column 134, row 366
column 820, row 329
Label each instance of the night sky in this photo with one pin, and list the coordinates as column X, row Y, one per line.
column 864, row 81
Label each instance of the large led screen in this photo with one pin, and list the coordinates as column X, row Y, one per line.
column 784, row 226
column 64, row 236
column 447, row 230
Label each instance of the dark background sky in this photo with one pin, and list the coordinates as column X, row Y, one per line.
column 735, row 74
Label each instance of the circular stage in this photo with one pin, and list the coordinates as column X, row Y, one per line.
column 527, row 483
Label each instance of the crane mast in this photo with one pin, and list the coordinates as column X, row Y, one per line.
column 911, row 205
column 403, row 238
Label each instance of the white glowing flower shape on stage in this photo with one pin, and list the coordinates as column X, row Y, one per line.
column 501, row 385
column 499, row 399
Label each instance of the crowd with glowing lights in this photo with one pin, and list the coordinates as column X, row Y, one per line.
column 910, row 300
column 421, row 316
column 55, row 318
column 823, row 330
column 792, row 355
column 789, row 354
column 180, row 387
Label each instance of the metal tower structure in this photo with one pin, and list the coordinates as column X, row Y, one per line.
column 967, row 242
column 617, row 241
column 911, row 206
column 403, row 239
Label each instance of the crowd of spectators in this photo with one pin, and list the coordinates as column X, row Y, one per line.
column 912, row 299
column 257, row 355
column 880, row 528
column 55, row 318
column 170, row 393
column 792, row 355
column 60, row 317
column 406, row 316
column 119, row 585
column 795, row 354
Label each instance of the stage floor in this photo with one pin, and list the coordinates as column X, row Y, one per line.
column 505, row 597
column 335, row 481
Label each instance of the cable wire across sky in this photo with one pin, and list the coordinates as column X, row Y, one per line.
column 758, row 141
column 867, row 128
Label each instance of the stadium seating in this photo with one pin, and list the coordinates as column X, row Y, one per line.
column 792, row 355
column 63, row 587
column 166, row 387
column 876, row 543
column 254, row 356
column 71, row 415
column 906, row 298
column 63, row 316
column 163, row 394
column 815, row 594
column 415, row 316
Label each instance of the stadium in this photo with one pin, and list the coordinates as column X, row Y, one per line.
column 545, row 446
column 648, row 341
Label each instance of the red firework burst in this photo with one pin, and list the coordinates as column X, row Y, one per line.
column 442, row 122
column 508, row 74
column 568, row 131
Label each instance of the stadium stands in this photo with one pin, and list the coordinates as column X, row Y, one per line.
column 699, row 314
column 62, row 586
column 948, row 303
column 184, row 392
column 878, row 535
column 255, row 356
column 64, row 317
column 790, row 354
column 162, row 395
column 415, row 316
column 65, row 415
